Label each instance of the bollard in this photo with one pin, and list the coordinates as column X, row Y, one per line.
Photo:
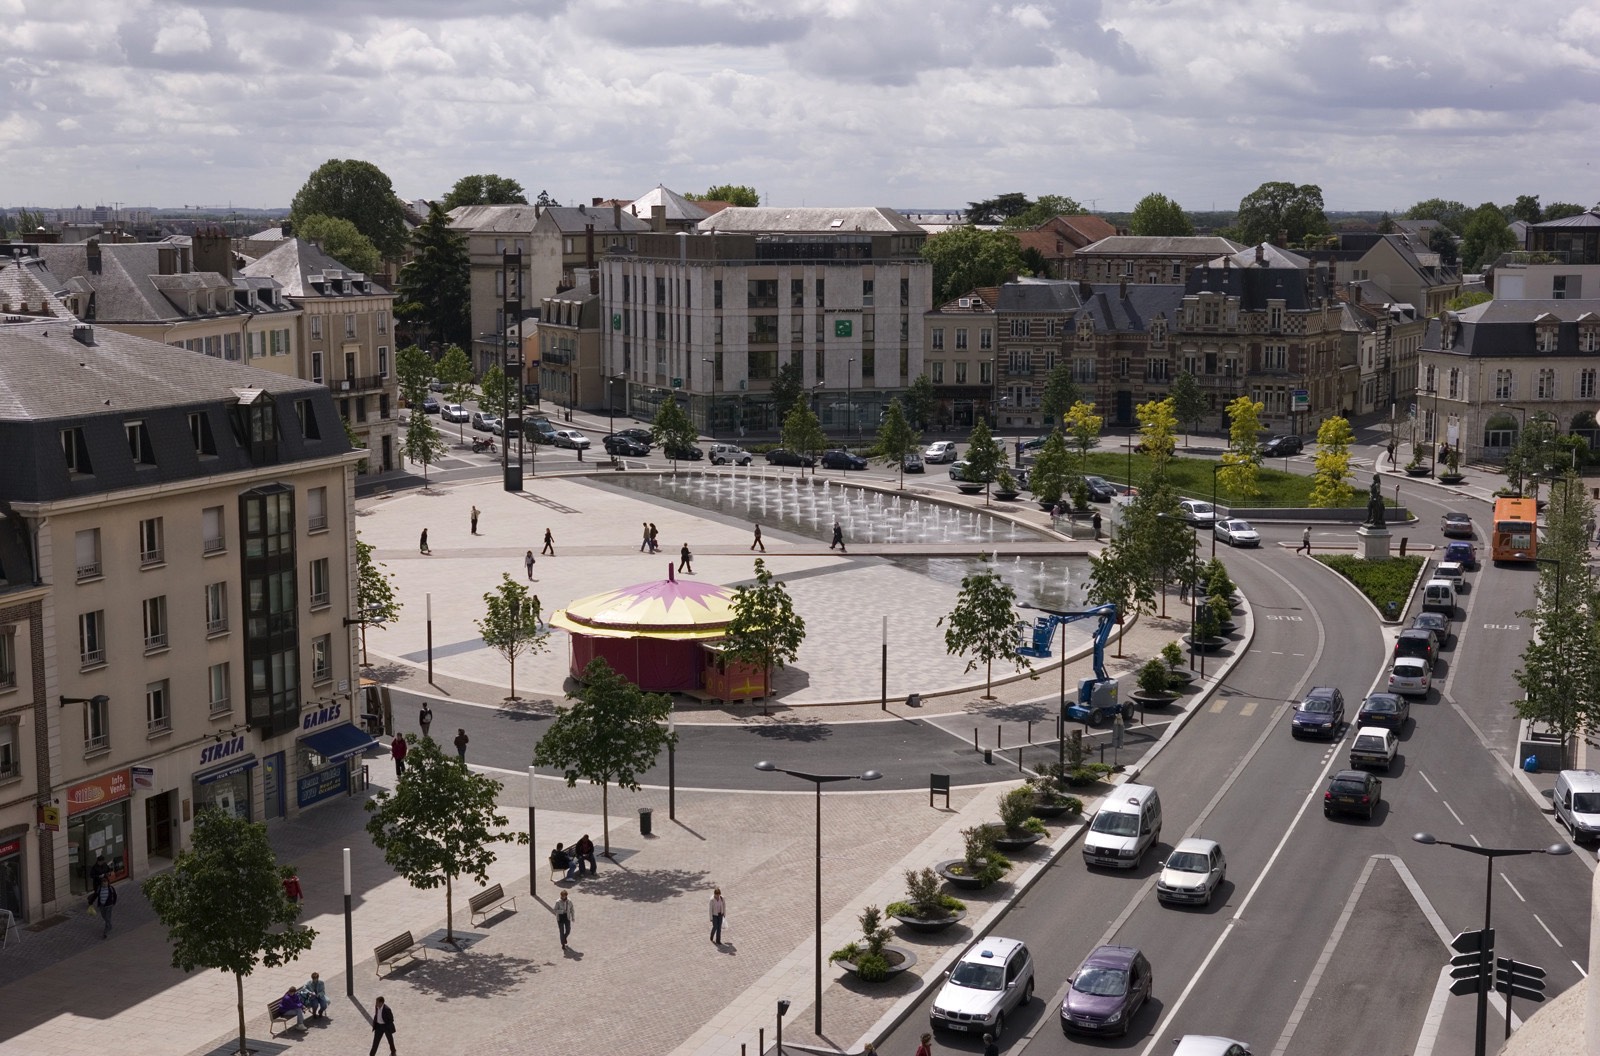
column 999, row 735
column 1019, row 759
column 1403, row 546
column 1102, row 752
column 1030, row 731
column 988, row 757
column 974, row 738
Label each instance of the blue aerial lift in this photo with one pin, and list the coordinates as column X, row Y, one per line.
column 1097, row 696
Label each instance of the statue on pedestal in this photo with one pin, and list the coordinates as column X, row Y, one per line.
column 1375, row 504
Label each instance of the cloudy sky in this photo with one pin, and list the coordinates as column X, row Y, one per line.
column 886, row 102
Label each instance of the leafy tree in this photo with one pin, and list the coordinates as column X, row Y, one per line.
column 223, row 905
column 732, row 193
column 1280, row 207
column 1332, row 474
column 984, row 623
column 1451, row 214
column 802, row 432
column 510, row 625
column 435, row 292
column 1157, row 424
column 1034, row 262
column 1048, row 207
column 1467, row 300
column 1442, row 242
column 1051, row 469
column 1156, row 214
column 25, row 224
column 1532, row 451
column 1561, row 210
column 340, row 240
column 764, row 630
column 612, row 732
column 422, row 441
column 1083, row 428
column 1241, row 463
column 454, row 370
column 1385, row 224
column 357, row 191
column 1116, row 577
column 1060, row 392
column 1485, row 236
column 376, row 602
column 413, row 370
column 672, row 430
column 485, row 189
column 496, row 389
column 788, row 387
column 439, row 823
column 896, row 438
column 1525, row 208
column 985, row 457
column 999, row 209
column 922, row 401
column 545, row 199
column 1188, row 402
column 1160, row 540
column 965, row 258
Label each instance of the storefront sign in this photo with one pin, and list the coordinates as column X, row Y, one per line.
column 319, row 786
column 143, row 777
column 226, row 748
column 317, row 718
column 50, row 818
column 101, row 790
column 8, row 849
column 238, row 766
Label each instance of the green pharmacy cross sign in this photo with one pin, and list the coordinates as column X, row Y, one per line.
column 842, row 328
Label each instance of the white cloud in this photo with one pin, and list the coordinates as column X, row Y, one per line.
column 182, row 32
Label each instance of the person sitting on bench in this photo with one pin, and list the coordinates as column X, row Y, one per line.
column 560, row 859
column 290, row 1005
column 315, row 996
column 583, row 851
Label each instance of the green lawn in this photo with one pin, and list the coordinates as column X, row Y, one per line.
column 1192, row 477
column 1383, row 582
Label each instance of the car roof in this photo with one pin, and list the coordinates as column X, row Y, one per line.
column 1349, row 775
column 1418, row 632
column 1375, row 731
column 1410, row 661
column 1197, row 845
column 992, row 949
column 1320, row 693
column 1457, row 515
column 1112, row 956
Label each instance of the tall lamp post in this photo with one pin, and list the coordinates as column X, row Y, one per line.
column 1194, row 586
column 611, row 398
column 849, row 401
column 711, row 413
column 819, row 780
column 1214, row 467
column 1489, row 854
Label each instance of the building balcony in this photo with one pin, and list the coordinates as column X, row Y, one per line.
column 364, row 383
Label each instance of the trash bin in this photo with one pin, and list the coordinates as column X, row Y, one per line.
column 644, row 821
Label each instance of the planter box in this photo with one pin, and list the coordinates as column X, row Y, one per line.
column 1007, row 496
column 1042, row 809
column 970, row 489
column 1152, row 700
column 970, row 883
column 1420, row 471
column 931, row 924
column 1451, row 478
column 1205, row 645
column 900, row 959
column 1020, row 842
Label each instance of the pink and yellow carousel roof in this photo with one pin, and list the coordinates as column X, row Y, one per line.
column 673, row 609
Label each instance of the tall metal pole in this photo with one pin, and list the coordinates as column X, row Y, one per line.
column 672, row 767
column 349, row 934
column 849, row 402
column 817, row 1004
column 1486, row 976
column 1214, row 508
column 533, row 841
column 1061, row 717
column 429, row 597
column 883, row 689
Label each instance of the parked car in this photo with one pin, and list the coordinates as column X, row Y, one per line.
column 571, row 438
column 1437, row 622
column 1374, row 748
column 454, row 412
column 782, row 456
column 962, row 471
column 644, row 436
column 1106, row 992
column 1101, row 489
column 1439, row 595
column 1192, row 872
column 1279, row 446
column 539, row 430
column 722, row 454
column 940, row 451
column 1409, row 675
column 430, row 405
column 1389, row 710
column 484, row 423
column 686, row 453
column 1462, row 552
column 1209, row 1045
column 1320, row 714
column 1235, row 532
column 1456, row 524
column 617, row 444
column 912, row 463
column 837, row 459
column 436, row 385
column 507, row 426
column 993, row 977
column 1352, row 792
column 1198, row 512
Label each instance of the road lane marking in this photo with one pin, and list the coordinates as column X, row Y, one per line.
column 1514, row 891
column 1217, row 706
column 1249, row 709
column 1430, row 784
column 1453, row 814
column 1304, row 1001
column 1548, row 932
column 1579, row 967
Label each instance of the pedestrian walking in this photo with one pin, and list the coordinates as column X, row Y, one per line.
column 291, row 888
column 565, row 913
column 719, row 909
column 397, row 752
column 474, row 520
column 424, row 544
column 1391, row 454
column 425, row 718
column 1095, row 520
column 99, row 872
column 756, row 543
column 644, row 539
column 528, row 561
column 382, row 1026
column 838, row 537
column 102, row 900
column 550, row 541
column 925, row 1047
column 1305, row 542
column 684, row 559
column 655, row 544
column 461, row 745
column 989, row 1046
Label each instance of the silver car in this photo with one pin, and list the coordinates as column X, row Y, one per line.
column 1192, row 872
column 1236, row 532
column 1409, row 676
column 992, row 978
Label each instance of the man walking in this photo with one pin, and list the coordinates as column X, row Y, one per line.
column 565, row 913
column 1305, row 542
column 838, row 537
column 549, row 543
column 382, row 1027
column 397, row 752
column 474, row 520
column 684, row 559
column 644, row 539
column 103, row 901
column 461, row 745
column 527, row 563
column 425, row 718
column 719, row 909
column 757, row 544
column 424, row 544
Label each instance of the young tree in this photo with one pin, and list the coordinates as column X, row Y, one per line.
column 496, row 389
column 1485, row 236
column 422, row 441
column 1052, row 469
column 435, row 291
column 1083, row 429
column 357, row 191
column 802, row 433
column 1160, row 540
column 340, row 240
column 985, row 457
column 484, row 189
column 1188, row 403
column 922, row 401
column 1276, row 208
column 1241, row 463
column 1157, row 424
column 965, row 258
column 510, row 625
column 1156, row 214
column 1116, row 578
column 672, row 430
column 612, row 732
column 1060, row 393
column 440, row 823
column 733, row 193
column 413, row 370
column 376, row 602
column 788, row 388
column 984, row 623
column 1332, row 474
column 896, row 438
column 454, row 369
column 764, row 631
column 223, row 905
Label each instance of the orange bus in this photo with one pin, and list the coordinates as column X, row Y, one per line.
column 1516, row 530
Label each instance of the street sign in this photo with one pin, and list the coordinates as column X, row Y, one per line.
column 1519, row 980
column 1301, row 400
column 1474, row 959
column 1463, row 987
column 1506, row 964
column 1469, row 941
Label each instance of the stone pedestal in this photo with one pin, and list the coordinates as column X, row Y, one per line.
column 1373, row 543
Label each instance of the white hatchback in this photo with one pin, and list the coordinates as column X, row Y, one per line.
column 1192, row 872
column 1409, row 676
column 940, row 451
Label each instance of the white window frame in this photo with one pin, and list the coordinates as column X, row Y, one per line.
column 319, row 587
column 316, row 509
column 158, row 708
column 156, row 630
column 92, row 638
column 213, row 530
column 87, row 544
column 216, row 608
column 152, row 551
column 219, row 690
column 96, row 726
column 322, row 659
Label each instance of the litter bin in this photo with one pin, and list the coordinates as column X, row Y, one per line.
column 644, row 821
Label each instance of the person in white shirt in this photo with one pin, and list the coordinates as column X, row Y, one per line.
column 719, row 909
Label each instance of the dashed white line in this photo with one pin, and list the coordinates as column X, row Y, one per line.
column 1512, row 886
column 1548, row 932
column 1430, row 784
column 1453, row 814
column 1579, row 967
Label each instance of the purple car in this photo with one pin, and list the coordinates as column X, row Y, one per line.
column 1107, row 991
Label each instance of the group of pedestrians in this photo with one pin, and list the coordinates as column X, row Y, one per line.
column 648, row 543
column 399, row 747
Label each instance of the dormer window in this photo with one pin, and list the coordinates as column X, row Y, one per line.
column 255, row 422
column 1546, row 332
column 139, row 446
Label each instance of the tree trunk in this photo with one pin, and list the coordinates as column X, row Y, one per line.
column 988, row 678
column 513, row 678
column 244, row 1045
column 605, row 815
column 449, row 911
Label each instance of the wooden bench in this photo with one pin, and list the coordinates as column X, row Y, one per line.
column 277, row 1015
column 401, row 946
column 488, row 900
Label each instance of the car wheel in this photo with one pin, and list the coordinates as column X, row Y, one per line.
column 1027, row 992
column 999, row 1025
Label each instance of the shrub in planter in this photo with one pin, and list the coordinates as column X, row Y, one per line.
column 979, row 859
column 1080, row 495
column 1088, row 774
column 1216, row 579
column 1154, row 678
column 1049, row 790
column 1206, row 624
column 1005, row 483
column 1172, row 653
column 924, row 900
column 871, row 964
column 1016, row 813
column 1220, row 605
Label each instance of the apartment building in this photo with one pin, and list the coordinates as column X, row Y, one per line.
column 1394, row 269
column 1147, row 259
column 566, row 341
column 959, row 358
column 176, row 566
column 1378, row 349
column 345, row 340
column 710, row 316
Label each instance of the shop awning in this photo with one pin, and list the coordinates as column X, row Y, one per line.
column 237, row 766
column 339, row 742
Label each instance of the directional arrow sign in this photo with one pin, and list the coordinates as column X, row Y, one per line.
column 1517, row 991
column 1472, row 971
column 1462, row 987
column 1470, row 941
column 1518, row 969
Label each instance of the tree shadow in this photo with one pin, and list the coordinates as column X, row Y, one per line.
column 800, row 731
column 446, row 975
column 1036, row 712
column 655, row 885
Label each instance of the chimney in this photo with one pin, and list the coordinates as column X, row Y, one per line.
column 94, row 256
column 588, row 245
column 83, row 334
column 1122, row 289
column 167, row 260
column 596, row 202
column 1261, row 253
column 1085, row 291
column 1355, row 293
column 594, row 279
column 212, row 251
column 658, row 218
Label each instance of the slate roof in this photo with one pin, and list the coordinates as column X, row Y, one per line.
column 1162, row 246
column 1131, row 310
column 512, row 219
column 294, row 262
column 789, row 219
column 1508, row 328
column 1589, row 219
column 1038, row 295
column 25, row 281
column 678, row 208
column 129, row 287
column 573, row 219
column 1281, row 275
column 1266, row 255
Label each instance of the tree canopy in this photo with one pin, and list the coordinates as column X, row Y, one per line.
column 340, row 240
column 1449, row 213
column 985, row 456
column 1060, row 393
column 802, row 432
column 1188, row 402
column 732, row 193
column 510, row 624
column 1241, row 462
column 1156, row 214
column 672, row 430
column 984, row 623
column 1014, row 206
column 1048, row 207
column 1333, row 474
column 922, row 401
column 484, row 189
column 965, row 258
column 788, row 387
column 434, row 293
column 1279, row 207
column 764, row 631
column 357, row 191
column 1485, row 236
column 896, row 438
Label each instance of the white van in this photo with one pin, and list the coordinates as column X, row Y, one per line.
column 1127, row 824
column 1577, row 800
column 1439, row 595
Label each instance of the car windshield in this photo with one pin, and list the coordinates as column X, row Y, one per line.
column 978, row 976
column 1101, row 982
column 1189, row 862
column 1586, row 802
column 1381, row 706
column 1116, row 823
column 1374, row 744
column 1200, row 507
column 1316, row 706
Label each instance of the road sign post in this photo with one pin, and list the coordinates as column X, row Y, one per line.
column 1515, row 979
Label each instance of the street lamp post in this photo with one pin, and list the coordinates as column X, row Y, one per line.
column 672, row 764
column 818, row 780
column 1214, row 467
column 1194, row 585
column 711, row 414
column 1489, row 854
column 611, row 399
column 849, row 401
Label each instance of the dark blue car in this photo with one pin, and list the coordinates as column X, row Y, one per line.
column 1462, row 551
column 1320, row 714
